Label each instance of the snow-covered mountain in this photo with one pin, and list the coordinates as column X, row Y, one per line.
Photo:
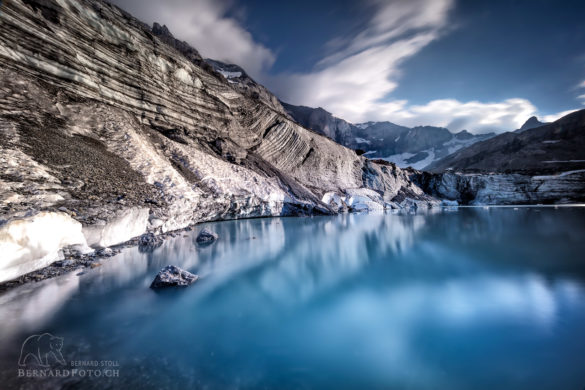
column 416, row 147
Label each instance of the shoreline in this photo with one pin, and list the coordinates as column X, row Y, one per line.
column 86, row 262
column 82, row 262
column 554, row 206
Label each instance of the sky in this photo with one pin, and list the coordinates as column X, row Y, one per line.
column 480, row 65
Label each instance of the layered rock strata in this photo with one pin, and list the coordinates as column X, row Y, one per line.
column 116, row 129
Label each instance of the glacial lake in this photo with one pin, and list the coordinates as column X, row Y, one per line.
column 467, row 298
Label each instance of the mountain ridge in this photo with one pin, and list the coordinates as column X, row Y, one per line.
column 554, row 147
column 416, row 147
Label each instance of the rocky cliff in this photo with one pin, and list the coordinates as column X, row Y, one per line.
column 505, row 189
column 110, row 128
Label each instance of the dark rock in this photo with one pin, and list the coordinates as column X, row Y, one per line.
column 149, row 242
column 464, row 135
column 323, row 122
column 171, row 276
column 206, row 236
column 106, row 252
column 159, row 30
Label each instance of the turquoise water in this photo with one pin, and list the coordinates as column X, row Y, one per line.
column 456, row 299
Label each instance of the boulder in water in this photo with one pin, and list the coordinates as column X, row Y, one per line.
column 149, row 242
column 171, row 276
column 206, row 236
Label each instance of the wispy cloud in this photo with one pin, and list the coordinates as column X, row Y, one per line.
column 206, row 26
column 480, row 117
column 558, row 115
column 392, row 20
column 353, row 87
column 581, row 97
column 353, row 81
column 356, row 81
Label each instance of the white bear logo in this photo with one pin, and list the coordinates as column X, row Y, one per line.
column 41, row 349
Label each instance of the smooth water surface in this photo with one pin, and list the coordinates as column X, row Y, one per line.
column 471, row 298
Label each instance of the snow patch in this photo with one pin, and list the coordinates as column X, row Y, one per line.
column 455, row 144
column 129, row 224
column 182, row 75
column 32, row 243
column 363, row 125
column 449, row 203
column 335, row 200
column 401, row 159
column 164, row 65
column 452, row 146
column 364, row 199
column 357, row 199
column 229, row 75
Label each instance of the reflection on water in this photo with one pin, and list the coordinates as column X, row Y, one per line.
column 456, row 299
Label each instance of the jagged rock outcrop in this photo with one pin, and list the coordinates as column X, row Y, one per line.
column 121, row 129
column 323, row 122
column 501, row 188
column 553, row 148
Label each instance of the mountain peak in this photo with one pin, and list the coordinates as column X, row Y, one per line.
column 464, row 135
column 159, row 30
column 531, row 123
